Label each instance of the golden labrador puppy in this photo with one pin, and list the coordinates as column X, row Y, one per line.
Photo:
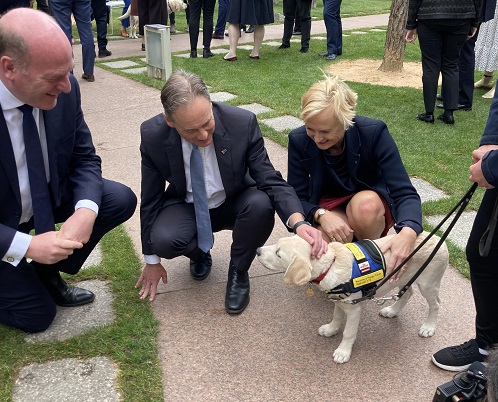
column 333, row 273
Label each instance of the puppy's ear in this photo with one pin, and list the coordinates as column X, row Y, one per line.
column 298, row 272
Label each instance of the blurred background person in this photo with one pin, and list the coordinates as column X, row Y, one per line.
column 254, row 12
column 442, row 27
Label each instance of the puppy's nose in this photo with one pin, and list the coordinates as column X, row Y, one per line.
column 258, row 251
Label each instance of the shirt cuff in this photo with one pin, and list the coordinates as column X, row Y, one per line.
column 152, row 259
column 87, row 204
column 17, row 249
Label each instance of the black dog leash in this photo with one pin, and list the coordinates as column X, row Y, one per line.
column 462, row 204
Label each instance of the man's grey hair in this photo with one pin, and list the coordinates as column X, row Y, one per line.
column 14, row 45
column 180, row 90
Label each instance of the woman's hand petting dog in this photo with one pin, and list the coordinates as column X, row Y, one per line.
column 400, row 246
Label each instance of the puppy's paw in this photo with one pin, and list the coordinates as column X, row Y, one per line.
column 328, row 330
column 341, row 356
column 427, row 330
column 388, row 312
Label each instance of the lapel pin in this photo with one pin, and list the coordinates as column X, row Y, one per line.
column 223, row 151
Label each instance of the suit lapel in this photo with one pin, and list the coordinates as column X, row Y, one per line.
column 223, row 150
column 174, row 151
column 7, row 161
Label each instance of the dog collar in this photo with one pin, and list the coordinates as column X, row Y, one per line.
column 320, row 277
column 369, row 267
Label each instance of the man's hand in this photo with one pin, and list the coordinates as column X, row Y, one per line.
column 476, row 175
column 411, row 35
column 314, row 237
column 49, row 248
column 400, row 246
column 78, row 226
column 151, row 275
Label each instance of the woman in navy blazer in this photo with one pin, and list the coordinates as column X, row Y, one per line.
column 348, row 173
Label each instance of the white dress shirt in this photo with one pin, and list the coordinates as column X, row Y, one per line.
column 214, row 186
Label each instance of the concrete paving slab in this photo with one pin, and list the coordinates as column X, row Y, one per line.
column 272, row 43
column 137, row 71
column 256, row 108
column 222, row 96
column 283, row 123
column 460, row 232
column 245, row 47
column 94, row 259
column 121, row 64
column 72, row 321
column 68, row 380
column 220, row 50
column 359, row 33
column 426, row 190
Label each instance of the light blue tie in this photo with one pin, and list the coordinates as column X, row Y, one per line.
column 203, row 221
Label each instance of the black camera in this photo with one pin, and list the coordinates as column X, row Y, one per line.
column 470, row 386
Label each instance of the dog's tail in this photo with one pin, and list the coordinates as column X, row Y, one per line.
column 125, row 15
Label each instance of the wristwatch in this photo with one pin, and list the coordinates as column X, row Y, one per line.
column 321, row 212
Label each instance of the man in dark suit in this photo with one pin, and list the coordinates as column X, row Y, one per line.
column 35, row 77
column 242, row 188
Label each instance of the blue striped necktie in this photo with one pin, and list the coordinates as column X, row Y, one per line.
column 40, row 195
column 202, row 219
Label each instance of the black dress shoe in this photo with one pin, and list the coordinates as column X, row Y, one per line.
column 193, row 54
column 216, row 36
column 439, row 97
column 459, row 107
column 446, row 119
column 237, row 295
column 250, row 29
column 104, row 53
column 331, row 56
column 207, row 53
column 283, row 46
column 426, row 117
column 304, row 49
column 200, row 268
column 296, row 32
column 65, row 295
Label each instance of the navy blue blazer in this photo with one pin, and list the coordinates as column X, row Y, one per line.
column 373, row 162
column 242, row 159
column 75, row 169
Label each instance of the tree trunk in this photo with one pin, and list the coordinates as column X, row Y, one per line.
column 394, row 48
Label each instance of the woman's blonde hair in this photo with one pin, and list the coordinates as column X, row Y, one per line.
column 331, row 92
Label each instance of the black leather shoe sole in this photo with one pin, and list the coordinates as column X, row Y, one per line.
column 282, row 46
column 460, row 107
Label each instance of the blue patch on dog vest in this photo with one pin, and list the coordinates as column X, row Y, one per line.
column 369, row 267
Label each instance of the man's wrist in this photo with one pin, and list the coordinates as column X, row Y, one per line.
column 297, row 224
